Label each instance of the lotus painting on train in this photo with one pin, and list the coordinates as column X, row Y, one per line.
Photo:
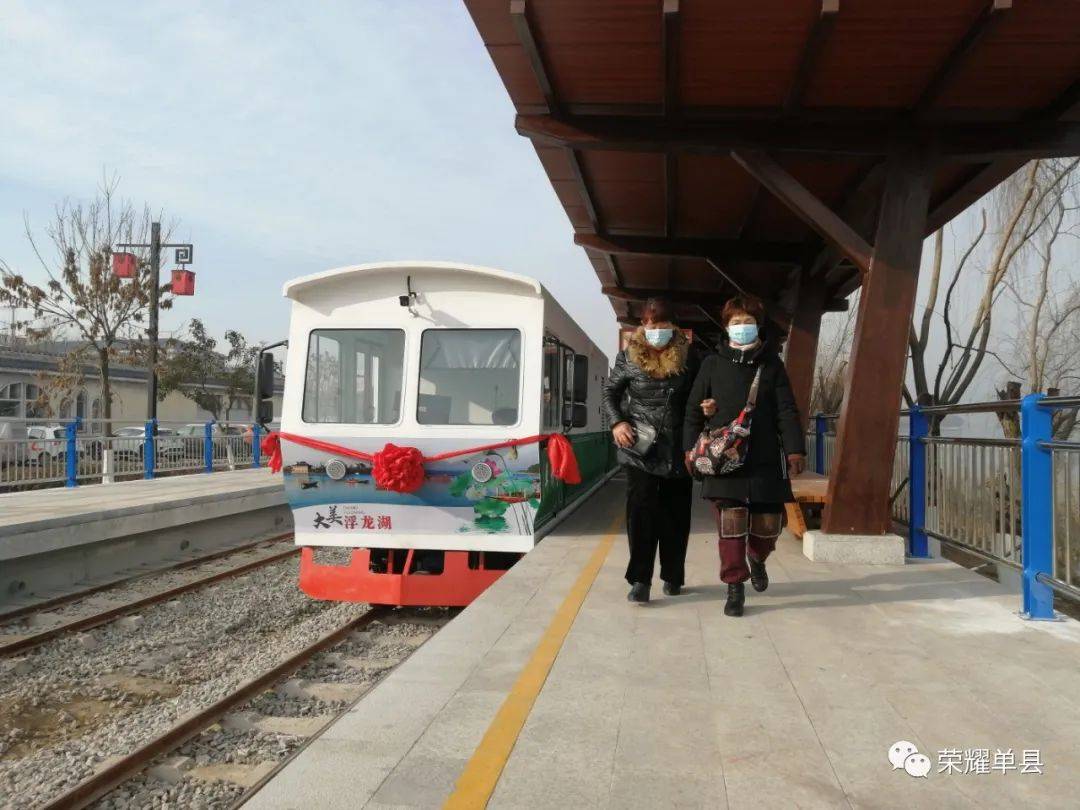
column 432, row 415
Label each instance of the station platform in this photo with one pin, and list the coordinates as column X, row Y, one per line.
column 552, row 691
column 52, row 538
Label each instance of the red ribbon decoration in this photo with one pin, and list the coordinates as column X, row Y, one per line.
column 401, row 469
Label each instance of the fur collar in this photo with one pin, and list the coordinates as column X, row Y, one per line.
column 666, row 362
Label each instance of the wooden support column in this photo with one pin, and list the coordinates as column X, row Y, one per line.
column 859, row 484
column 800, row 356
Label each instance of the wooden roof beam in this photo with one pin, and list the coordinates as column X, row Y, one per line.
column 1064, row 106
column 806, row 206
column 982, row 179
column 519, row 16
column 670, row 47
column 688, row 247
column 819, row 33
column 979, row 180
column 950, row 66
column 693, row 297
column 969, row 142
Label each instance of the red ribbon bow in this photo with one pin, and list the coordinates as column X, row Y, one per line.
column 401, row 469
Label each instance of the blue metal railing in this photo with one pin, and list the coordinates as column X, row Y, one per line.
column 78, row 451
column 1003, row 500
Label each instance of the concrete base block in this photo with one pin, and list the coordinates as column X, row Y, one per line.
column 859, row 549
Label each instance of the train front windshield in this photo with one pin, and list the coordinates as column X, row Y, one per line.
column 354, row 376
column 469, row 377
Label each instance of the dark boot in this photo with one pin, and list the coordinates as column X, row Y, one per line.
column 759, row 577
column 639, row 593
column 672, row 590
column 736, row 596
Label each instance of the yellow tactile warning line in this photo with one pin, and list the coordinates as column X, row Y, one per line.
column 477, row 782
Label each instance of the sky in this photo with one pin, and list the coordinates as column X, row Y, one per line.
column 291, row 138
column 286, row 139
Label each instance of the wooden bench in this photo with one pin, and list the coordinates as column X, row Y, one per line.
column 809, row 488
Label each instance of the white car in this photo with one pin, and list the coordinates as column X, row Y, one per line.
column 46, row 443
column 130, row 441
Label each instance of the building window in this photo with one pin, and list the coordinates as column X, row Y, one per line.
column 37, row 404
column 11, row 399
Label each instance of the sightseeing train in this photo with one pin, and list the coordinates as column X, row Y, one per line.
column 438, row 420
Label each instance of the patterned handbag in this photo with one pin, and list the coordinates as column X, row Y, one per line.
column 722, row 450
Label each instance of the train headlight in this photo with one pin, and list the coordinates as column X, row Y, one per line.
column 482, row 472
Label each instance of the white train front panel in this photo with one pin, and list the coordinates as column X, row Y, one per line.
column 456, row 365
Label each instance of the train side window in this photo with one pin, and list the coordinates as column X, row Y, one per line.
column 469, row 377
column 354, row 376
column 552, row 410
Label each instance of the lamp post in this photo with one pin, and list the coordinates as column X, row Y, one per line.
column 184, row 253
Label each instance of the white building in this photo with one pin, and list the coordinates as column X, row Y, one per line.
column 26, row 369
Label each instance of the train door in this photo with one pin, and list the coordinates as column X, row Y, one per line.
column 552, row 491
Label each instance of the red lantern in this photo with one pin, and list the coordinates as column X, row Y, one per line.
column 183, row 282
column 124, row 265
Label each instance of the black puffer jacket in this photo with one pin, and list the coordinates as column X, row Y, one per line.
column 774, row 432
column 651, row 386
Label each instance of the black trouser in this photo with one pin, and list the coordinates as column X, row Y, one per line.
column 657, row 513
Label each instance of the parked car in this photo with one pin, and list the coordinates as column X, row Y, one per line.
column 12, row 441
column 130, row 441
column 194, row 436
column 47, row 443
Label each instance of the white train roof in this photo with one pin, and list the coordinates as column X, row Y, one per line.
column 293, row 288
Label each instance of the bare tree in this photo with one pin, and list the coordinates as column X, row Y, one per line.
column 1027, row 209
column 1043, row 349
column 834, row 353
column 81, row 296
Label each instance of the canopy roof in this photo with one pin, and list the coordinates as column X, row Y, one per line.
column 671, row 129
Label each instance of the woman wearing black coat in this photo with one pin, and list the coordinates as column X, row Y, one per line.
column 748, row 502
column 645, row 395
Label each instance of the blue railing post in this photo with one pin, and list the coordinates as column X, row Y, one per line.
column 821, row 427
column 71, row 453
column 208, row 446
column 918, row 429
column 149, row 448
column 256, row 449
column 1036, row 507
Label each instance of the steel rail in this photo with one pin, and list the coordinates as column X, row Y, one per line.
column 1060, row 445
column 982, row 555
column 100, row 783
column 1064, row 588
column 86, row 622
column 968, row 442
column 75, row 596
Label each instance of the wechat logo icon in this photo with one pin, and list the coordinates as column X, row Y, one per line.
column 905, row 755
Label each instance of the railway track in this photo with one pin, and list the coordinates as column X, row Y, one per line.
column 106, row 779
column 8, row 616
column 134, row 764
column 24, row 641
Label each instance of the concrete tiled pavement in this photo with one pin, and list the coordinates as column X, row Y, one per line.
column 675, row 705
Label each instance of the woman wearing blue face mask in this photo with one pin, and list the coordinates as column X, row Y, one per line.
column 749, row 501
column 644, row 401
